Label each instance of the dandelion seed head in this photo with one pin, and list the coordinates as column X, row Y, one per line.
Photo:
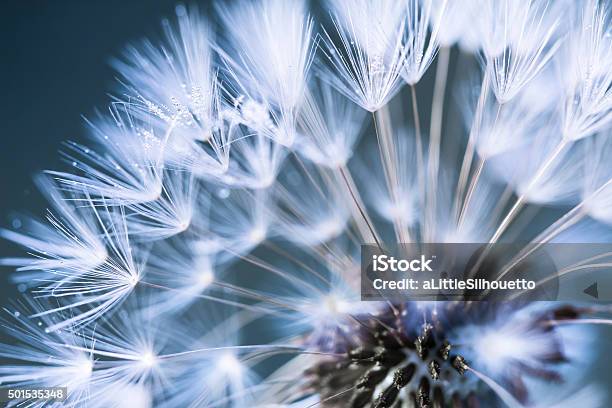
column 207, row 238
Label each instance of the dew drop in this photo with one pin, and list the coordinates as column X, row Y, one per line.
column 181, row 11
column 16, row 223
column 223, row 193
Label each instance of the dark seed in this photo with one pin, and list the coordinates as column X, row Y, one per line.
column 402, row 376
column 444, row 350
column 434, row 369
column 459, row 364
column 421, row 348
column 387, row 397
column 372, row 377
column 423, row 394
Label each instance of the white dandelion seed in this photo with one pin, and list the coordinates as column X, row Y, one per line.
column 391, row 193
column 223, row 375
column 69, row 240
column 241, row 221
column 585, row 110
column 540, row 181
column 311, row 208
column 421, row 40
column 256, row 161
column 170, row 214
column 330, row 126
column 174, row 86
column 193, row 273
column 367, row 64
column 207, row 158
column 103, row 287
column 588, row 100
column 269, row 56
column 42, row 358
column 531, row 43
column 127, row 170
